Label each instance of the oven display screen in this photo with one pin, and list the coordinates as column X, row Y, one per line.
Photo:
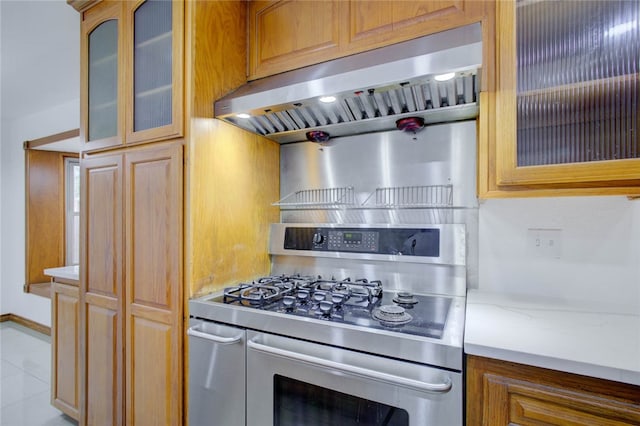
column 352, row 237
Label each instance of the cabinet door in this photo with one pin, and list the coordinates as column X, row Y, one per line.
column 568, row 90
column 373, row 23
column 154, row 286
column 101, row 291
column 285, row 35
column 290, row 34
column 504, row 393
column 154, row 52
column 65, row 379
column 101, row 86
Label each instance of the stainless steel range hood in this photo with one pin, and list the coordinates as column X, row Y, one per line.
column 372, row 90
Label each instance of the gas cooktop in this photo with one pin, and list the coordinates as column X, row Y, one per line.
column 389, row 290
column 358, row 302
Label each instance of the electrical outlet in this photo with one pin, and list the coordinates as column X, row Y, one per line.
column 545, row 243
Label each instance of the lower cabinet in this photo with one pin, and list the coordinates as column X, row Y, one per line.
column 65, row 378
column 131, row 288
column 505, row 393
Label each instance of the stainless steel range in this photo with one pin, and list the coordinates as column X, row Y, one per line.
column 303, row 348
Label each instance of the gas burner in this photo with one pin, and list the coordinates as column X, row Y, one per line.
column 235, row 292
column 391, row 315
column 260, row 293
column 405, row 298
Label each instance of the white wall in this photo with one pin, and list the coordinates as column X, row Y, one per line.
column 40, row 90
column 12, row 271
column 600, row 256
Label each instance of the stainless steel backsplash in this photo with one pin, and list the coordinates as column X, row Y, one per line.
column 442, row 154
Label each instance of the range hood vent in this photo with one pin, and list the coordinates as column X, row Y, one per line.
column 371, row 91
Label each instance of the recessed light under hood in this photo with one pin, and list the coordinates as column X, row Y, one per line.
column 372, row 90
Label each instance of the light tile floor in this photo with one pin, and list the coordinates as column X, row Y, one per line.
column 25, row 376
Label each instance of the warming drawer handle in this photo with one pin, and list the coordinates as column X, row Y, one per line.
column 358, row 371
column 196, row 332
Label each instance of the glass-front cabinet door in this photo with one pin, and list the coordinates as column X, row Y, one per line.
column 101, row 89
column 154, row 69
column 567, row 111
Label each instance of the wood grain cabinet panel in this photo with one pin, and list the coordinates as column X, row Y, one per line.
column 103, row 361
column 153, row 249
column 572, row 134
column 65, row 377
column 153, row 80
column 101, row 291
column 132, row 328
column 289, row 34
column 392, row 21
column 132, row 70
column 101, row 73
column 501, row 393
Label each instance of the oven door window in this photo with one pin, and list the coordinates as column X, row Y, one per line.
column 299, row 403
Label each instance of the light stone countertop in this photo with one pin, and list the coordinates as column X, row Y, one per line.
column 556, row 334
column 68, row 272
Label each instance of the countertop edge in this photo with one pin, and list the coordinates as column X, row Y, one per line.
column 65, row 272
column 564, row 365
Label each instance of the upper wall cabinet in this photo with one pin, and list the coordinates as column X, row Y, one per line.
column 567, row 95
column 154, row 52
column 284, row 35
column 101, row 71
column 132, row 72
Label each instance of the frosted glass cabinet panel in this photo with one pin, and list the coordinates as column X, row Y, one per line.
column 103, row 81
column 152, row 65
column 577, row 81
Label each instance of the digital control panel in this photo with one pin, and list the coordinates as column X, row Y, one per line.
column 362, row 241
column 392, row 241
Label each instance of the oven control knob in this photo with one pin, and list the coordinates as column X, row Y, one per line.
column 318, row 238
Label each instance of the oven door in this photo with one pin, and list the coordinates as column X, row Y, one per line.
column 292, row 382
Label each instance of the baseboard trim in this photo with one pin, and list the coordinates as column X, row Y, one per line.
column 35, row 326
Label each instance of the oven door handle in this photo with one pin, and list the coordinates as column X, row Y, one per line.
column 195, row 331
column 352, row 369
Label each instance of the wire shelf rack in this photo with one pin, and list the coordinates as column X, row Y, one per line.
column 401, row 197
column 325, row 198
column 428, row 196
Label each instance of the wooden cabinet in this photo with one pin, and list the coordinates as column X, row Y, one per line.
column 501, row 393
column 132, row 72
column 102, row 290
column 65, row 351
column 285, row 35
column 153, row 44
column 102, row 76
column 165, row 218
column 132, row 334
column 374, row 23
column 560, row 116
column 153, row 284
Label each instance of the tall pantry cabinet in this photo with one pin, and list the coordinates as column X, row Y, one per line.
column 132, row 325
column 159, row 223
